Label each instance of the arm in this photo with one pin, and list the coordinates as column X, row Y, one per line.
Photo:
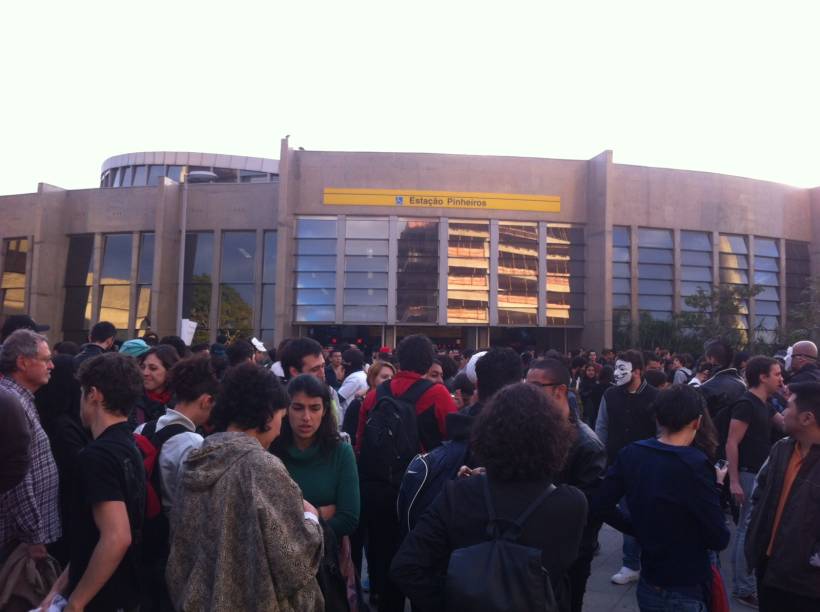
column 111, row 518
column 367, row 404
column 348, row 502
column 777, row 421
column 602, row 422
column 737, row 430
column 348, row 389
column 603, row 499
column 443, row 405
column 591, row 462
column 14, row 449
column 704, row 503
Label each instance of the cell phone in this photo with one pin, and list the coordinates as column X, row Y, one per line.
column 721, row 464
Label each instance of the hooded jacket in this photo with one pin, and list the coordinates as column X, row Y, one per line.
column 240, row 539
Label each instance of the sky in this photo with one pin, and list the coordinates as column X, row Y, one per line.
column 720, row 86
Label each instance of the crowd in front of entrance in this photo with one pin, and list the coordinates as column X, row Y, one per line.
column 150, row 475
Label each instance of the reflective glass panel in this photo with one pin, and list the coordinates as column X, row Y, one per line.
column 766, row 278
column 155, row 174
column 79, row 268
column 734, row 261
column 314, row 280
column 657, row 238
column 174, row 173
column 236, row 307
column 655, row 287
column 661, row 256
column 269, row 261
column 365, row 297
column 733, row 244
column 735, row 277
column 620, row 254
column 655, row 302
column 378, row 264
column 77, row 309
column 696, row 241
column 767, row 247
column 143, row 308
column 367, row 248
column 252, row 176
column 268, row 306
column 311, row 297
column 309, row 314
column 655, row 271
column 373, row 229
column 692, row 273
column 196, row 303
column 127, row 177
column 417, row 271
column 115, row 303
column 620, row 236
column 145, row 271
column 140, row 176
column 365, row 280
column 621, row 300
column 238, row 257
column 767, row 263
column 518, row 273
column 320, row 263
column 696, row 258
column 199, row 256
column 365, row 314
column 763, row 307
column 15, row 253
column 116, row 264
column 13, row 301
column 315, row 228
column 226, row 175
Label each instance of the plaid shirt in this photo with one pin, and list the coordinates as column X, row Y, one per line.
column 30, row 511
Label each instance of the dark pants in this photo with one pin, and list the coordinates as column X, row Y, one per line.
column 382, row 524
column 777, row 600
column 578, row 575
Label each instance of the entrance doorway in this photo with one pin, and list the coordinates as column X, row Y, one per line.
column 366, row 338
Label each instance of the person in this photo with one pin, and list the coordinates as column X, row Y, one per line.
column 15, row 438
column 242, row 536
column 134, row 348
column 218, row 347
column 415, row 356
column 462, row 389
column 377, row 373
column 102, row 572
column 355, row 382
column 202, row 349
column 239, row 351
column 609, row 357
column 725, row 386
column 318, row 461
column 588, row 380
column 66, row 347
column 435, row 374
column 179, row 345
column 150, row 338
column 739, row 362
column 29, row 511
column 673, row 498
column 682, row 364
column 586, row 463
column 802, row 362
column 19, row 321
column 100, row 339
column 747, row 446
column 625, row 416
column 522, row 440
column 603, row 383
column 305, row 356
column 783, row 540
column 155, row 364
column 658, row 379
column 652, row 361
column 493, row 370
column 703, row 372
column 58, row 404
column 334, row 370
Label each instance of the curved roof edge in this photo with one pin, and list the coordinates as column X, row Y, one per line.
column 177, row 158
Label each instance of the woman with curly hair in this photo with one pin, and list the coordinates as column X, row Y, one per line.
column 242, row 536
column 522, row 440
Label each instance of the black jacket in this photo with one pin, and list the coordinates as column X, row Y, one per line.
column 722, row 390
column 87, row 352
column 626, row 417
column 808, row 373
column 14, row 442
column 798, row 536
column 458, row 518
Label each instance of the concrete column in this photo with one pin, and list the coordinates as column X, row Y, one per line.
column 216, row 276
column 133, row 287
column 99, row 245
column 169, row 244
column 288, row 188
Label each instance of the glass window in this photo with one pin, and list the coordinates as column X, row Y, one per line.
column 365, row 247
column 695, row 273
column 691, row 288
column 226, row 175
column 145, row 272
column 312, row 297
column 252, row 176
column 733, row 244
column 655, row 302
column 367, row 228
column 365, row 297
column 417, row 271
column 13, row 281
column 127, row 177
column 662, row 256
column 315, row 228
column 766, row 247
column 657, row 238
column 621, row 254
column 767, row 263
column 733, row 261
column 798, row 273
column 654, row 287
column 620, row 270
column 79, row 276
column 365, row 314
column 468, row 278
column 767, row 278
column 380, row 264
column 518, row 273
column 77, row 312
column 696, row 258
column 268, row 306
column 269, row 262
column 763, row 307
column 199, row 256
column 155, row 174
column 565, row 274
column 319, row 263
column 115, row 302
column 140, row 176
column 174, row 173
column 315, row 274
column 238, row 257
column 79, row 268
column 236, row 308
column 313, row 314
column 366, row 280
column 116, row 264
column 734, row 277
column 620, row 236
column 696, row 241
column 313, row 280
column 143, row 308
column 654, row 271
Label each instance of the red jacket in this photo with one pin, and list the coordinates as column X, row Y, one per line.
column 431, row 410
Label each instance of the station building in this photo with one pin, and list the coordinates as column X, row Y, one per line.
column 370, row 247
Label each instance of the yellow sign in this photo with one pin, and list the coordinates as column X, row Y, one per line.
column 440, row 199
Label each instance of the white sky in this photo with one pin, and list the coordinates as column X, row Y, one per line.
column 721, row 86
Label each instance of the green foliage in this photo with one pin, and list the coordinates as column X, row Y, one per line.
column 803, row 320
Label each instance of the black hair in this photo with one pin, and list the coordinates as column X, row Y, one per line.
column 578, row 362
column 150, row 338
column 449, row 368
column 740, row 357
column 221, row 338
column 756, row 367
column 220, row 365
column 415, row 354
column 166, row 354
column 117, row 377
column 520, row 435
column 634, row 357
column 102, row 331
column 295, row 351
column 191, row 377
column 807, row 398
column 497, row 368
column 463, row 383
column 199, row 347
column 554, row 368
column 678, row 406
column 248, row 398
column 61, row 395
column 327, row 436
column 720, row 351
column 66, row 347
column 353, row 360
column 606, row 374
column 650, row 356
column 685, row 359
column 656, row 378
column 178, row 343
column 239, row 351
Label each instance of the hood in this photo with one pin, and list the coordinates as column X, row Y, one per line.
column 221, row 451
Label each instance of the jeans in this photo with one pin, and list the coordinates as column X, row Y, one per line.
column 656, row 599
column 743, row 581
column 631, row 549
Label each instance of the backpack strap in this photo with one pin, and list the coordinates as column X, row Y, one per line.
column 166, row 433
column 514, row 531
column 416, row 390
column 149, row 429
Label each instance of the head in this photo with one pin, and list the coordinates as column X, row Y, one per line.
column 740, row 359
column 592, row 356
column 200, row 350
column 193, row 383
column 134, row 348
column 606, row 374
column 802, row 415
column 352, row 360
column 609, row 356
column 435, row 374
column 310, row 417
column 379, row 372
column 679, row 408
column 553, row 378
column 110, row 386
column 703, row 371
column 21, row 321
column 521, row 435
column 103, row 334
column 462, row 389
column 178, row 344
column 628, row 368
column 251, row 399
column 682, row 360
column 335, row 356
column 303, row 356
column 155, row 364
column 66, row 347
column 415, row 354
column 651, row 361
column 657, row 378
column 719, row 353
column 26, row 358
column 239, row 351
column 590, row 372
column 764, row 374
column 499, row 367
column 577, row 365
column 800, row 355
column 150, row 338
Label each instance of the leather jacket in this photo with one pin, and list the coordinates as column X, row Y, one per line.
column 722, row 390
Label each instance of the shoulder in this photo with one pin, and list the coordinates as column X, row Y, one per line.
column 588, row 440
column 438, row 393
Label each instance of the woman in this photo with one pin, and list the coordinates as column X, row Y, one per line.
column 671, row 490
column 322, row 465
column 589, row 379
column 604, row 382
column 155, row 365
column 378, row 372
column 243, row 537
column 522, row 440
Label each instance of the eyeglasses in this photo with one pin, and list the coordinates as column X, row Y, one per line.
column 804, row 356
column 43, row 359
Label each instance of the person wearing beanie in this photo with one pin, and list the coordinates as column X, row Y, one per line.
column 134, row 348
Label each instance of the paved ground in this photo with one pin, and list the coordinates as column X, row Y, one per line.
column 603, row 596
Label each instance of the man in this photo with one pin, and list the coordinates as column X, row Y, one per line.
column 609, row 357
column 801, row 361
column 22, row 321
column 783, row 540
column 239, row 351
column 625, row 416
column 435, row 374
column 100, row 340
column 29, row 512
column 586, row 463
column 652, row 361
column 303, row 356
column 725, row 386
column 747, row 447
column 682, row 364
column 334, row 371
column 355, row 383
column 102, row 573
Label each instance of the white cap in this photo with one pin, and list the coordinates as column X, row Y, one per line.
column 258, row 345
column 469, row 370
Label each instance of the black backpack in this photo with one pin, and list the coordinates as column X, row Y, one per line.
column 391, row 437
column 500, row 575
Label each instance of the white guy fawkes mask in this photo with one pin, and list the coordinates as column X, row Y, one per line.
column 788, row 360
column 623, row 372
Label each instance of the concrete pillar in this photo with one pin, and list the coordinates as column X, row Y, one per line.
column 288, row 190
column 168, row 245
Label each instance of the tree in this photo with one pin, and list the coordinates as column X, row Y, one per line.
column 803, row 317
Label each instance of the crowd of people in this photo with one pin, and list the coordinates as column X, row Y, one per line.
column 155, row 476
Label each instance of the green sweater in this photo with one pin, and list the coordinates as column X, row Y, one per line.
column 331, row 480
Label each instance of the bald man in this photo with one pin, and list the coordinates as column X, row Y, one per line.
column 804, row 363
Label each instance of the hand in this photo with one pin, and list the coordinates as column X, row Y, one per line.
column 47, row 601
column 466, row 472
column 737, row 492
column 37, row 551
column 72, row 607
column 310, row 508
column 720, row 474
column 327, row 512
